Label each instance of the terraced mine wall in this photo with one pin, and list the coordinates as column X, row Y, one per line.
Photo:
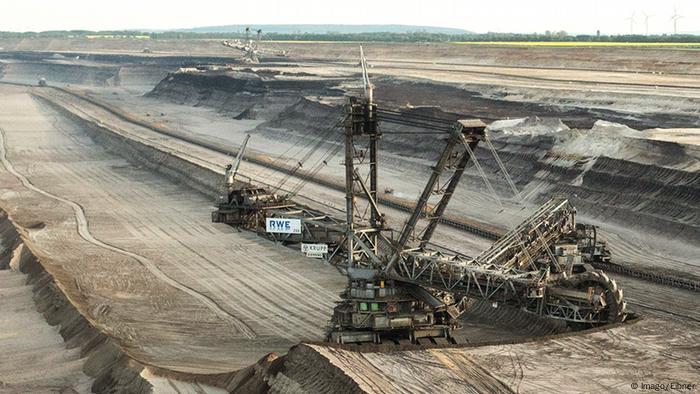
column 453, row 98
column 661, row 197
column 104, row 360
column 653, row 194
column 235, row 92
column 66, row 70
column 247, row 95
column 650, row 185
column 209, row 180
column 206, row 180
column 169, row 61
column 66, row 73
column 528, row 158
column 634, row 59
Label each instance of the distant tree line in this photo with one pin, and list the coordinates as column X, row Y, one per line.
column 417, row 36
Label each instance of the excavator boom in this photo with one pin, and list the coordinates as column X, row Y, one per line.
column 518, row 270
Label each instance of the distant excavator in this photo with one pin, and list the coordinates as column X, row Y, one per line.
column 251, row 47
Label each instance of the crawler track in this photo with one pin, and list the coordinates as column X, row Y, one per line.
column 389, row 348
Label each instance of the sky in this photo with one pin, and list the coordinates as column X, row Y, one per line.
column 520, row 16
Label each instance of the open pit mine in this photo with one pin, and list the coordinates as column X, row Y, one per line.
column 324, row 218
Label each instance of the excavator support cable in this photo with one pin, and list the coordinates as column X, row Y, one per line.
column 482, row 173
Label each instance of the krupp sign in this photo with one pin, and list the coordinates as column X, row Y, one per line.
column 285, row 226
column 314, row 250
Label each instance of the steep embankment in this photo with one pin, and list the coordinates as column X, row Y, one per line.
column 63, row 73
column 577, row 109
column 87, row 359
column 246, row 94
column 611, row 173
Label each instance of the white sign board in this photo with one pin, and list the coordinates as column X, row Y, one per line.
column 314, row 250
column 284, row 226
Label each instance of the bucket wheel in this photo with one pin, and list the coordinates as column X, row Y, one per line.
column 603, row 293
column 590, row 298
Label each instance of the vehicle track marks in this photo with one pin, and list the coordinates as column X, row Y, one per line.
column 83, row 229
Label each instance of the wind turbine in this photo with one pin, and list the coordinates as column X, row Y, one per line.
column 646, row 22
column 631, row 19
column 675, row 17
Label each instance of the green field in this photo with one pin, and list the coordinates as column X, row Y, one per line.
column 582, row 44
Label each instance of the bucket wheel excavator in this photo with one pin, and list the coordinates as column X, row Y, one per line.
column 399, row 288
column 250, row 47
column 400, row 285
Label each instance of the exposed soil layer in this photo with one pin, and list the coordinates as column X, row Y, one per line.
column 474, row 103
column 620, row 353
column 66, row 71
column 240, row 91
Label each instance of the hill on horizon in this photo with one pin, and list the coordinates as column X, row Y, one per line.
column 323, row 29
